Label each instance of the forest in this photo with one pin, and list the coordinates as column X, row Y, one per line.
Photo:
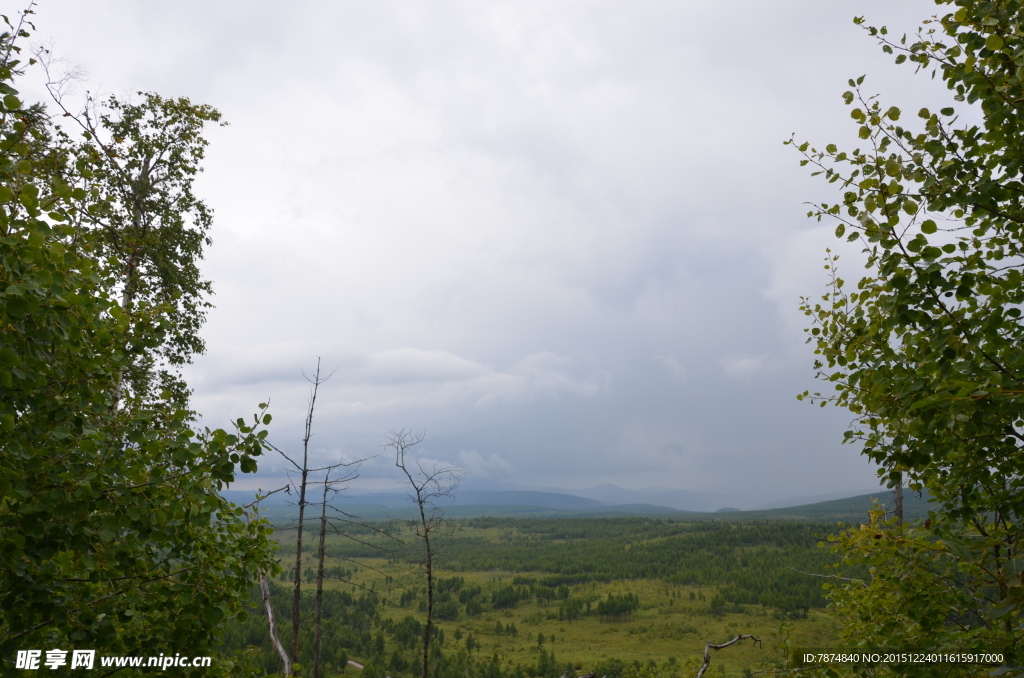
column 583, row 584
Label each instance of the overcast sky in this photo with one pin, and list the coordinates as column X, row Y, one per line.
column 563, row 237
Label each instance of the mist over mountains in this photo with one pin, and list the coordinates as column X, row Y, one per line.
column 598, row 499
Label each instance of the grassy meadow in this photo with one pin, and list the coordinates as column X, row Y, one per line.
column 627, row 596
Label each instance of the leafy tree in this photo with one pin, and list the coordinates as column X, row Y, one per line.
column 112, row 533
column 925, row 349
column 139, row 160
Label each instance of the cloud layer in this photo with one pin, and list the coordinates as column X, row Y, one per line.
column 565, row 239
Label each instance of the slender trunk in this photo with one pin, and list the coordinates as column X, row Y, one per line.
column 265, row 587
column 320, row 579
column 297, row 584
column 128, row 294
column 430, row 590
column 427, row 487
column 898, row 501
column 297, row 587
column 127, row 300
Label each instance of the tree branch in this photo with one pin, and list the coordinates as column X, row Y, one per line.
column 711, row 646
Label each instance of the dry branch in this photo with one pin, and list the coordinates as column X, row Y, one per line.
column 265, row 587
column 711, row 646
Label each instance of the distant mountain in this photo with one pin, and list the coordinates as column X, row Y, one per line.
column 686, row 500
column 682, row 500
column 537, row 500
column 849, row 510
column 283, row 515
column 605, row 500
column 546, row 500
column 565, row 502
column 814, row 499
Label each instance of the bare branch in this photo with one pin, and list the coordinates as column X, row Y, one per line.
column 265, row 588
column 259, row 497
column 427, row 485
column 711, row 646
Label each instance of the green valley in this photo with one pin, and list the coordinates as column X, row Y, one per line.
column 622, row 597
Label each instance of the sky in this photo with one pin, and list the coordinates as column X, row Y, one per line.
column 563, row 239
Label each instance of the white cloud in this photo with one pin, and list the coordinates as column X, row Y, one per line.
column 508, row 222
column 479, row 466
column 675, row 368
column 744, row 365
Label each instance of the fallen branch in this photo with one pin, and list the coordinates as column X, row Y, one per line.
column 273, row 626
column 710, row 646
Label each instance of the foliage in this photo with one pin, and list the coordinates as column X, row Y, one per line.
column 112, row 534
column 925, row 350
column 586, row 620
column 756, row 562
column 752, row 563
column 149, row 228
column 618, row 606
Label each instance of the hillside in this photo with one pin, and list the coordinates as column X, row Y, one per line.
column 552, row 505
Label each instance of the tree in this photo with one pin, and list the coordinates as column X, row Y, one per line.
column 150, row 229
column 925, row 349
column 303, row 470
column 428, row 484
column 330, row 486
column 268, row 606
column 112, row 533
column 305, row 476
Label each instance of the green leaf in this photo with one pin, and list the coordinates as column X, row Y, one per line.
column 994, row 42
column 12, row 103
column 926, row 353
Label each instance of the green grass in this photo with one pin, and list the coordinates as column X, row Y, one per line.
column 670, row 628
column 668, row 624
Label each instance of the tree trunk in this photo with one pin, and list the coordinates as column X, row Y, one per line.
column 320, row 580
column 265, row 587
column 430, row 595
column 297, row 584
column 898, row 502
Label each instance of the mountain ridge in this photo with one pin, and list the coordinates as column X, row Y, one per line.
column 850, row 509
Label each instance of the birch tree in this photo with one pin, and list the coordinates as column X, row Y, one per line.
column 924, row 346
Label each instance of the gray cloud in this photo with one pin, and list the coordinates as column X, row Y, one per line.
column 563, row 238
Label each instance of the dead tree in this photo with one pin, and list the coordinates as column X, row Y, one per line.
column 265, row 588
column 329, row 486
column 428, row 484
column 711, row 646
column 303, row 470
